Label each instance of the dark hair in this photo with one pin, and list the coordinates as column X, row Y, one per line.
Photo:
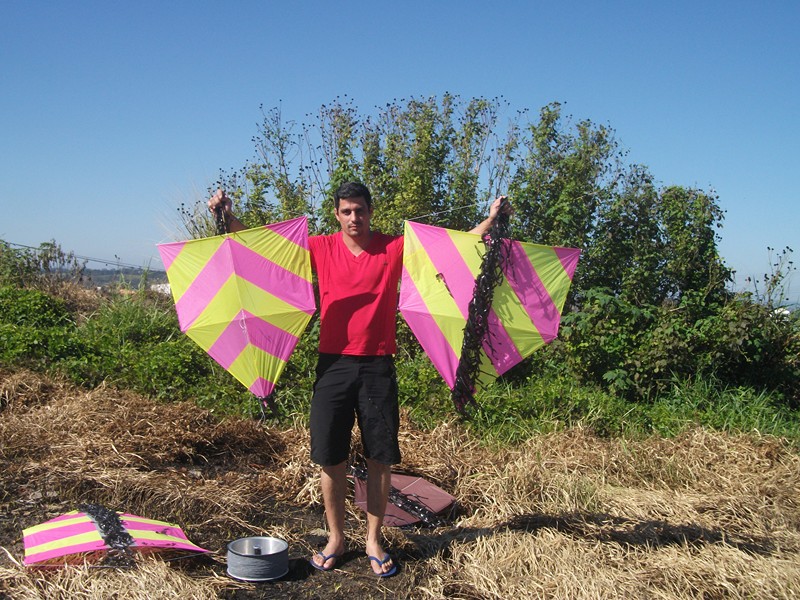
column 352, row 189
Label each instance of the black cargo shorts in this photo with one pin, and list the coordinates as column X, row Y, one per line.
column 349, row 388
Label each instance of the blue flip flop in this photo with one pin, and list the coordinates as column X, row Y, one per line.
column 325, row 558
column 386, row 559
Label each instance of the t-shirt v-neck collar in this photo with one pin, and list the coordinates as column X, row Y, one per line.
column 363, row 250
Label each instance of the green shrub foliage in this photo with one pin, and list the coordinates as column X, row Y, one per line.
column 19, row 306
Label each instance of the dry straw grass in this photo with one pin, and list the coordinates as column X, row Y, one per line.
column 571, row 516
column 564, row 515
column 151, row 580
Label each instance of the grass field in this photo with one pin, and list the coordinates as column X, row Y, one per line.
column 566, row 514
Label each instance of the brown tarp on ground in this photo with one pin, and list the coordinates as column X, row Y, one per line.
column 412, row 489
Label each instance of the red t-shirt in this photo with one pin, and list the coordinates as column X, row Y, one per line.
column 357, row 294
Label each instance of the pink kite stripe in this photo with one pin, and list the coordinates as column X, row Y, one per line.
column 446, row 258
column 60, row 521
column 532, row 294
column 294, row 230
column 169, row 253
column 272, row 278
column 163, row 536
column 500, row 348
column 246, row 329
column 133, row 525
column 569, row 259
column 51, row 535
column 205, row 286
column 76, row 549
column 262, row 387
column 434, row 341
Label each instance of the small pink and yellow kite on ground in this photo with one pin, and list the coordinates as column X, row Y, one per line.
column 77, row 537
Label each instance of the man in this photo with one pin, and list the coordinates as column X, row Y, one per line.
column 358, row 271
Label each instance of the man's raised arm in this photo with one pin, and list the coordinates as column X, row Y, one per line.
column 498, row 205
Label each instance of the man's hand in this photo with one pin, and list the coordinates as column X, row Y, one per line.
column 220, row 200
column 500, row 205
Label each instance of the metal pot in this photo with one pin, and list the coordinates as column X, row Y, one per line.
column 258, row 558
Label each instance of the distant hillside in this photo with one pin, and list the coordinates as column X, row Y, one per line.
column 130, row 277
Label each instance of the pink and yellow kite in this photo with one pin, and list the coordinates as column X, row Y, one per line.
column 440, row 267
column 75, row 537
column 245, row 297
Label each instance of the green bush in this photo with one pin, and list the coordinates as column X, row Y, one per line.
column 710, row 403
column 170, row 370
column 136, row 319
column 36, row 329
column 639, row 352
column 222, row 394
column 37, row 348
column 600, row 341
column 422, row 390
column 134, row 342
column 751, row 344
column 32, row 308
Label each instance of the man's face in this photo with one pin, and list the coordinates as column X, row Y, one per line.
column 354, row 216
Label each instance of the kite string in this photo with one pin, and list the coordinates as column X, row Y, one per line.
column 113, row 533
column 221, row 221
column 476, row 329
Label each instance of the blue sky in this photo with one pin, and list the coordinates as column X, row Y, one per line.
column 114, row 113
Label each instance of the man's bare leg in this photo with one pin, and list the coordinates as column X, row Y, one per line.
column 334, row 484
column 379, row 478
